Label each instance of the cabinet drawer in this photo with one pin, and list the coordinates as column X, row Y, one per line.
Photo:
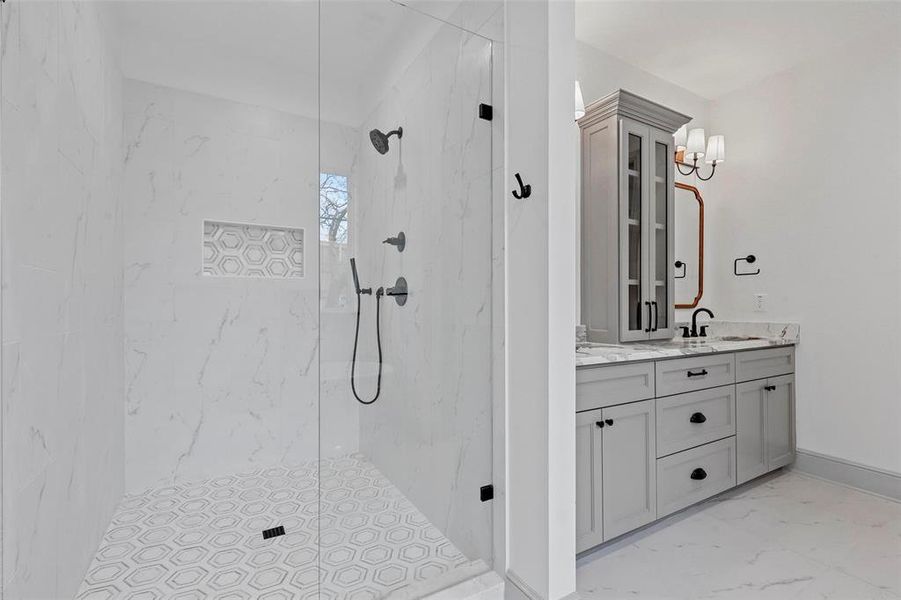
column 760, row 364
column 615, row 384
column 691, row 476
column 696, row 373
column 689, row 420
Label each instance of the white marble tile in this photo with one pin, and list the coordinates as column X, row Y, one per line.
column 62, row 287
column 776, row 538
column 222, row 374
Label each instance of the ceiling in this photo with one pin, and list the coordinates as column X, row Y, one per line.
column 266, row 52
column 713, row 48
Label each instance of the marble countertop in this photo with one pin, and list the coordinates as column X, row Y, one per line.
column 725, row 337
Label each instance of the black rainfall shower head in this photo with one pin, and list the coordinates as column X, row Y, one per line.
column 380, row 140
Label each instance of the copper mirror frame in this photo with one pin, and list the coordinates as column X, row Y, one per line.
column 694, row 190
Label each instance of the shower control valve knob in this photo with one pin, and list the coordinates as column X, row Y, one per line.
column 400, row 241
column 399, row 291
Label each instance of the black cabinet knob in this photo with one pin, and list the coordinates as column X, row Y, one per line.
column 697, row 418
column 608, row 421
column 770, row 388
column 700, row 373
column 699, row 474
column 599, row 424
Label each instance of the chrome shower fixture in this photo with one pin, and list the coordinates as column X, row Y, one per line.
column 380, row 140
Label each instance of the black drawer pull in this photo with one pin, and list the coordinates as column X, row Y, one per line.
column 700, row 373
column 770, row 388
column 699, row 474
column 608, row 421
column 600, row 424
column 698, row 418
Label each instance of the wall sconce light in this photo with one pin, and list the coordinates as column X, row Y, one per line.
column 580, row 103
column 690, row 147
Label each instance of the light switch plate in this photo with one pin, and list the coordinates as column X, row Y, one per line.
column 759, row 302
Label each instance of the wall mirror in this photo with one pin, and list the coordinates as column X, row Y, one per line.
column 689, row 254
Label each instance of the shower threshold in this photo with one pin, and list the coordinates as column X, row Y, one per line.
column 204, row 540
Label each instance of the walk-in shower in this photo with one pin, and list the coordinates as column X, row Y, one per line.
column 184, row 185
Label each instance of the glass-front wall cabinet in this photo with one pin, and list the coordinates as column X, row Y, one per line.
column 627, row 219
column 646, row 182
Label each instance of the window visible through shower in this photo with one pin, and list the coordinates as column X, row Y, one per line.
column 181, row 354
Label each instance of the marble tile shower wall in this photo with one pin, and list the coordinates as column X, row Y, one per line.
column 222, row 373
column 430, row 431
column 62, row 322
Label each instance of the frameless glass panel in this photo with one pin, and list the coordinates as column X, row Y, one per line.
column 405, row 394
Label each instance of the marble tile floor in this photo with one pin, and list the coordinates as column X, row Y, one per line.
column 204, row 540
column 785, row 536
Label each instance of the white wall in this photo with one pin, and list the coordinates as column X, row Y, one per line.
column 811, row 186
column 223, row 373
column 541, row 286
column 62, row 384
column 601, row 73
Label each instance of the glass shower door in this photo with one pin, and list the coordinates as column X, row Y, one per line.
column 405, row 373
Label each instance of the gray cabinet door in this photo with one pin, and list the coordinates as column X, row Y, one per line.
column 750, row 430
column 589, row 506
column 660, row 235
column 780, row 418
column 634, row 208
column 629, row 469
column 600, row 224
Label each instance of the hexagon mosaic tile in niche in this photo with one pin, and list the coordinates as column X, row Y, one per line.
column 249, row 250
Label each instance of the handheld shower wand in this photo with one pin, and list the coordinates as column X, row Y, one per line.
column 378, row 335
column 353, row 267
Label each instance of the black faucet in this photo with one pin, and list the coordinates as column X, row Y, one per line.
column 694, row 324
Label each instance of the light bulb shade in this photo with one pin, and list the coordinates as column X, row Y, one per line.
column 694, row 147
column 716, row 149
column 680, row 138
column 580, row 103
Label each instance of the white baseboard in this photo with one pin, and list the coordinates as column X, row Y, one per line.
column 868, row 479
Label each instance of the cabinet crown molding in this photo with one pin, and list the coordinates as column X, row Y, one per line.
column 634, row 107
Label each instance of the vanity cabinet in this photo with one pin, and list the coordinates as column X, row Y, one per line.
column 654, row 437
column 616, row 480
column 629, row 458
column 627, row 218
column 766, row 433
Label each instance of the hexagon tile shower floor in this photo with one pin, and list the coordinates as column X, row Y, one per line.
column 204, row 539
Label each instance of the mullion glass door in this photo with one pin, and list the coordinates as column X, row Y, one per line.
column 660, row 235
column 635, row 304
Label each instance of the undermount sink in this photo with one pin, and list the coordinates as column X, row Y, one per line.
column 737, row 338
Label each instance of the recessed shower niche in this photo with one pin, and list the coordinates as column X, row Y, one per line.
column 251, row 250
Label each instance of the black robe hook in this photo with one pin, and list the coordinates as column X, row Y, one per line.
column 524, row 190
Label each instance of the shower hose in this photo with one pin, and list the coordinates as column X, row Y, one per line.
column 378, row 337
